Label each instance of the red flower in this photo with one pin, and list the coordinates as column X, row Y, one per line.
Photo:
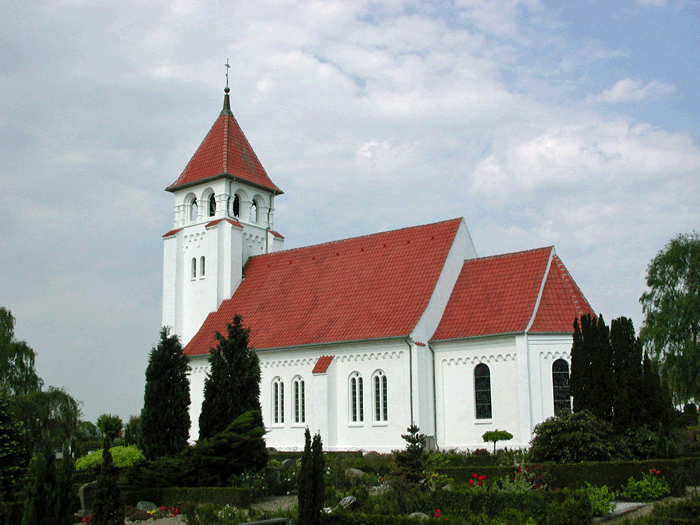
column 482, row 477
column 479, row 483
column 471, row 481
column 437, row 514
column 475, row 476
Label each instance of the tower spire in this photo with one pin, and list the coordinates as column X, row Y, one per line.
column 227, row 103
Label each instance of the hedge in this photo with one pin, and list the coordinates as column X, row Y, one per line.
column 173, row 496
column 613, row 474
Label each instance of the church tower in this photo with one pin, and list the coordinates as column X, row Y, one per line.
column 223, row 214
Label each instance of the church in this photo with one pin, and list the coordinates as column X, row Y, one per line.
column 361, row 337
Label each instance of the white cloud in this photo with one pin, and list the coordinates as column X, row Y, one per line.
column 628, row 90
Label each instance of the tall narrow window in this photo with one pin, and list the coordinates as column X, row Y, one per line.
column 380, row 396
column 236, row 206
column 201, row 266
column 278, row 401
column 254, row 212
column 357, row 409
column 482, row 391
column 212, row 205
column 560, row 386
column 193, row 210
column 194, row 267
column 299, row 395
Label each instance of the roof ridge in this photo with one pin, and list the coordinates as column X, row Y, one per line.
column 543, row 283
column 338, row 241
column 511, row 253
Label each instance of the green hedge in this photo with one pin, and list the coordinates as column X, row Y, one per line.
column 172, row 496
column 613, row 474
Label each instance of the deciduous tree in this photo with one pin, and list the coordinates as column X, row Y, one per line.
column 165, row 418
column 232, row 386
column 671, row 328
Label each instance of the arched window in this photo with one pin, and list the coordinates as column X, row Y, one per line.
column 277, row 401
column 236, row 206
column 212, row 205
column 357, row 409
column 482, row 391
column 193, row 210
column 194, row 267
column 299, row 399
column 201, row 266
column 254, row 212
column 379, row 386
column 560, row 386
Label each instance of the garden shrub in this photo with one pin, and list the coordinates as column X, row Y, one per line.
column 652, row 486
column 600, row 499
column 683, row 511
column 571, row 438
column 173, row 496
column 122, row 457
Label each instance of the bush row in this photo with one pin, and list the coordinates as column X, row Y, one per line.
column 613, row 474
column 172, row 496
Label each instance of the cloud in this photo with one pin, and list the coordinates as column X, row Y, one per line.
column 628, row 90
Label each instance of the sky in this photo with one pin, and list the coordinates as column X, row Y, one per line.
column 570, row 123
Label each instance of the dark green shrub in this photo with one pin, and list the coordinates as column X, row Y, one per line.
column 683, row 511
column 173, row 496
column 311, row 487
column 108, row 508
column 410, row 463
column 571, row 438
column 652, row 486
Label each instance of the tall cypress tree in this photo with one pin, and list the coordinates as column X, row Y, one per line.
column 50, row 491
column 628, row 407
column 232, row 386
column 108, row 508
column 165, row 419
column 311, row 482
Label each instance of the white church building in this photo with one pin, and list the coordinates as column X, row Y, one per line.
column 361, row 337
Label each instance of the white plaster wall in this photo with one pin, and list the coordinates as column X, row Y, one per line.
column 457, row 423
column 545, row 349
column 328, row 397
column 199, row 367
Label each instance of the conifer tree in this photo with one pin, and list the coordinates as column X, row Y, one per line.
column 311, row 482
column 232, row 386
column 50, row 491
column 628, row 407
column 165, row 419
column 410, row 463
column 108, row 508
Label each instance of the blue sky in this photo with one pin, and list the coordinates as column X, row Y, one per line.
column 571, row 124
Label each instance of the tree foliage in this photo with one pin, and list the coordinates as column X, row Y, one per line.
column 110, row 426
column 494, row 436
column 49, row 416
column 610, row 378
column 232, row 386
column 13, row 454
column 108, row 508
column 311, row 483
column 17, row 373
column 571, row 438
column 165, row 418
column 212, row 461
column 410, row 463
column 671, row 305
column 50, row 493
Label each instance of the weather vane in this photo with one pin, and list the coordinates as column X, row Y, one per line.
column 227, row 68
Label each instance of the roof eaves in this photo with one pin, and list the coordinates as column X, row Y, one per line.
column 432, row 341
column 175, row 187
column 329, row 343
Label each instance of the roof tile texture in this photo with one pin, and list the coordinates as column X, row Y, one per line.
column 321, row 366
column 225, row 150
column 561, row 302
column 367, row 287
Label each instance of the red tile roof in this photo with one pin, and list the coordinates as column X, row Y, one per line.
column 322, row 364
column 367, row 287
column 561, row 302
column 171, row 232
column 217, row 221
column 225, row 151
column 498, row 295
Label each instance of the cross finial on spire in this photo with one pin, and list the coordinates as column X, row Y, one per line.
column 227, row 68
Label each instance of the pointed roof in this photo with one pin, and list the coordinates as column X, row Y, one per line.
column 504, row 293
column 371, row 287
column 225, row 152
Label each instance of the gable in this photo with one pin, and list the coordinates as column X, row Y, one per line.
column 371, row 287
